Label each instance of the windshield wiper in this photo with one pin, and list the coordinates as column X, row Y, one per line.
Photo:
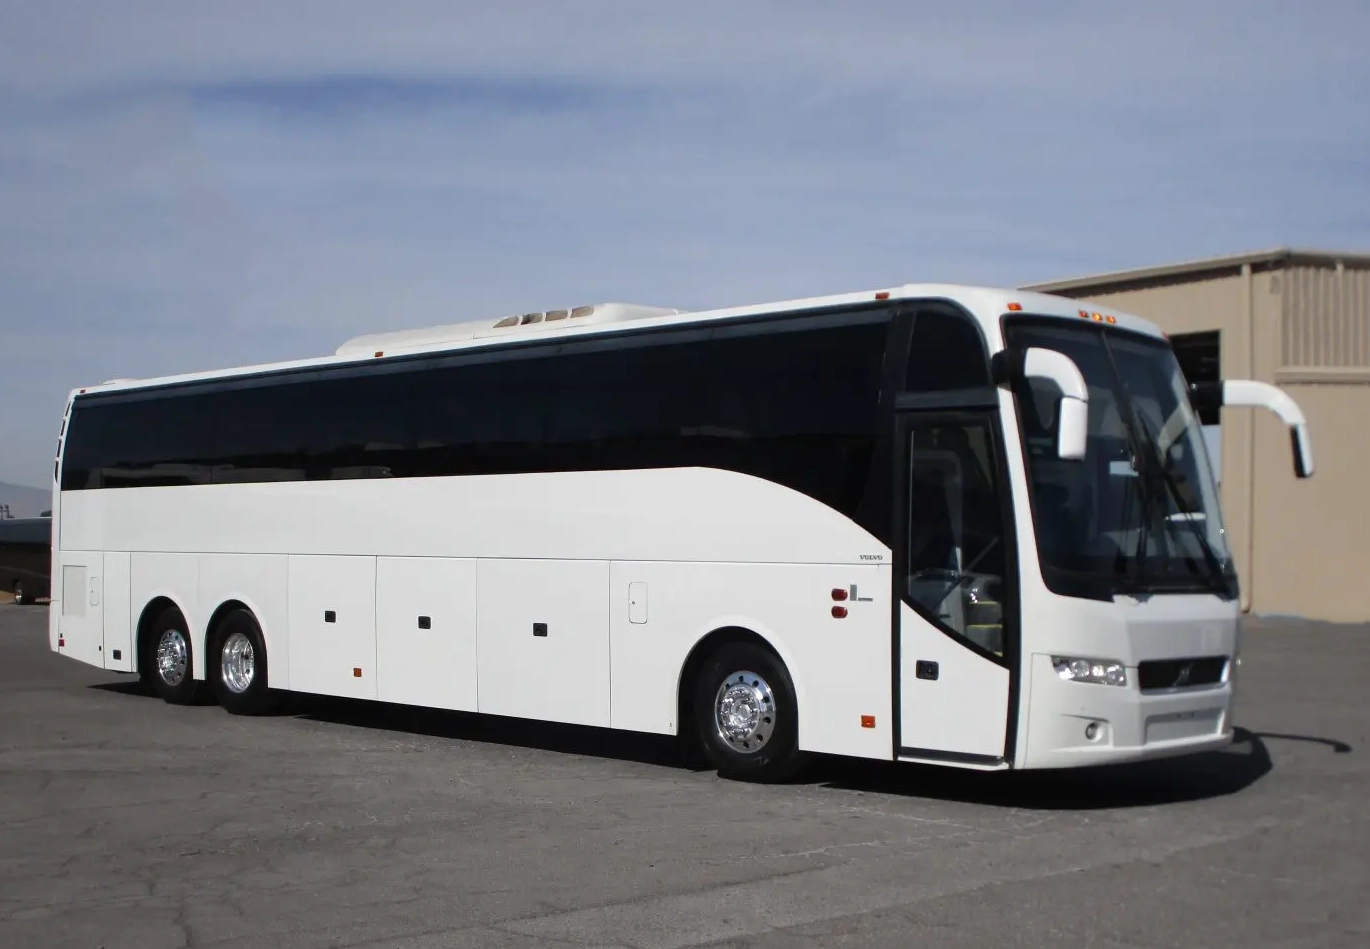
column 1140, row 463
column 1135, row 492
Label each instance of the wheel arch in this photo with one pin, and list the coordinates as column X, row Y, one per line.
column 715, row 639
column 230, row 605
column 144, row 644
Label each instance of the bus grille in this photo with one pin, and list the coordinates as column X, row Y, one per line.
column 1157, row 674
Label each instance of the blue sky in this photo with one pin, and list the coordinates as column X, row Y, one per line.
column 186, row 186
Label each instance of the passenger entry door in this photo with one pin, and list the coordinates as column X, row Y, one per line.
column 957, row 641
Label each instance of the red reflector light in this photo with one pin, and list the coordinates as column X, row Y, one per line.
column 839, row 612
column 380, row 353
column 867, row 721
column 356, row 673
column 61, row 642
column 838, row 593
column 1015, row 307
column 883, row 295
column 1084, row 314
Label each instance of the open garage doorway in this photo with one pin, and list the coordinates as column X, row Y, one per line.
column 1200, row 356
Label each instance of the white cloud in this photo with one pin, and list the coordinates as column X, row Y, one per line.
column 192, row 185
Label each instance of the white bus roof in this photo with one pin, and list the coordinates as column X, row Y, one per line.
column 590, row 319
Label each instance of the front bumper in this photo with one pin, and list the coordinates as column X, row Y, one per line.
column 1128, row 725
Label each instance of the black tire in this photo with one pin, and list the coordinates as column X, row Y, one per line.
column 768, row 751
column 169, row 639
column 240, row 685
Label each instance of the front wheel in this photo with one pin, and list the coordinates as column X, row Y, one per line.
column 746, row 716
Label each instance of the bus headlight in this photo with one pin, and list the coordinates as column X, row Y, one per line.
column 1099, row 671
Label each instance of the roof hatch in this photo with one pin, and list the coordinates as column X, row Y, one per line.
column 515, row 325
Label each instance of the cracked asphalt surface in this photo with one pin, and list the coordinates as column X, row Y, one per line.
column 125, row 822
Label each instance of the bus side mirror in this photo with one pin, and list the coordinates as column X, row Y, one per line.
column 1072, row 426
column 1252, row 394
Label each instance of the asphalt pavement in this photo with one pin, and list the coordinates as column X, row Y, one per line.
column 125, row 822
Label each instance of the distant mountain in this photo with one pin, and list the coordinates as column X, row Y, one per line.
column 24, row 501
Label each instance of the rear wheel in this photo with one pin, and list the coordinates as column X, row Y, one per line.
column 171, row 658
column 240, row 665
column 746, row 717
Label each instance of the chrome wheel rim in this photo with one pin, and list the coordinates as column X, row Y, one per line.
column 237, row 663
column 172, row 656
column 745, row 712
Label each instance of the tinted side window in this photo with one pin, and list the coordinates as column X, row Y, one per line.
column 358, row 427
column 799, row 407
column 78, row 450
column 342, row 428
column 259, row 434
column 82, row 448
column 142, row 443
column 487, row 418
column 947, row 352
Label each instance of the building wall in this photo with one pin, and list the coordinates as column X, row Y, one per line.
column 1310, row 552
column 1299, row 545
column 1312, row 535
column 1326, row 321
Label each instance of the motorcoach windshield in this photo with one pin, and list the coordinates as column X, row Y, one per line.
column 1140, row 512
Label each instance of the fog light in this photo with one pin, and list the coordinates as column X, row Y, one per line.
column 1092, row 731
column 1098, row 671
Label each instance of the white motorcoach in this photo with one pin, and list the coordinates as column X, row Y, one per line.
column 947, row 524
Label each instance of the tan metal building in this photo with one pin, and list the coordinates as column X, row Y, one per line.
column 1301, row 320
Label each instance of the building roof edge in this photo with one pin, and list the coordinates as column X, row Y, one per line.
column 1203, row 265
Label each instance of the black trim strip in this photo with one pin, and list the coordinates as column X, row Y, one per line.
column 1012, row 615
column 979, row 397
column 900, row 336
column 957, row 757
